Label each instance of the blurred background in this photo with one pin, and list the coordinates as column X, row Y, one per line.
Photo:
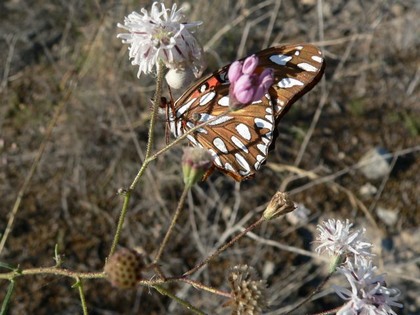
column 70, row 97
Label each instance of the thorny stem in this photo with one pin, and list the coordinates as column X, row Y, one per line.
column 173, row 222
column 224, row 247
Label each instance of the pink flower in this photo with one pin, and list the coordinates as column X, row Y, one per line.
column 246, row 85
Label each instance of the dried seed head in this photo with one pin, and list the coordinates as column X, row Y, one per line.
column 248, row 293
column 280, row 204
column 124, row 268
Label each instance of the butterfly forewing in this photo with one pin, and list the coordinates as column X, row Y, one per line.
column 240, row 140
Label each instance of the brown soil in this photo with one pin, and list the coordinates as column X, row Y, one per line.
column 62, row 63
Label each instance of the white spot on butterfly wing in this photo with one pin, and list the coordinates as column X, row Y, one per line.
column 307, row 67
column 239, row 144
column 269, row 118
column 224, row 101
column 220, row 144
column 180, row 111
column 176, row 128
column 280, row 59
column 317, row 58
column 268, row 137
column 220, row 120
column 299, row 47
column 243, row 163
column 260, row 160
column 192, row 140
column 289, row 82
column 243, row 131
column 229, row 167
column 207, row 117
column 263, row 148
column 207, row 98
column 216, row 158
column 203, row 88
column 261, row 123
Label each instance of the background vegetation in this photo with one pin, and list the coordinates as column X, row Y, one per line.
column 70, row 96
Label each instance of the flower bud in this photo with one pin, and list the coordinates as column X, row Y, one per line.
column 124, row 268
column 279, row 204
column 246, row 84
column 195, row 162
column 180, row 78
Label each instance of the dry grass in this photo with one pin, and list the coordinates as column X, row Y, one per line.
column 70, row 97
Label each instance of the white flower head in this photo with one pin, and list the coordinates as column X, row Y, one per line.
column 337, row 238
column 161, row 35
column 369, row 294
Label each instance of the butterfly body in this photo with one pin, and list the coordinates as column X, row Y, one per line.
column 240, row 140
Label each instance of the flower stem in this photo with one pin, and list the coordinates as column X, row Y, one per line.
column 224, row 247
column 120, row 224
column 53, row 271
column 79, row 286
column 156, row 103
column 127, row 194
column 173, row 222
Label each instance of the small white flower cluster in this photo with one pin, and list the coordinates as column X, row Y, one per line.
column 162, row 36
column 368, row 294
column 336, row 239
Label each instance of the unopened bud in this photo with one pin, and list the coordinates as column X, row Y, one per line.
column 280, row 204
column 179, row 78
column 195, row 162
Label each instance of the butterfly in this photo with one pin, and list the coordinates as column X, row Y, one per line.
column 240, row 140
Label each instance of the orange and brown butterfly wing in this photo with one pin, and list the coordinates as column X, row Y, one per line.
column 240, row 140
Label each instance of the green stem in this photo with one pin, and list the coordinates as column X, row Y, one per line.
column 224, row 247
column 173, row 222
column 184, row 303
column 79, row 286
column 7, row 298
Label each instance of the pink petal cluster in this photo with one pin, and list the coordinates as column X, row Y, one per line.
column 246, row 85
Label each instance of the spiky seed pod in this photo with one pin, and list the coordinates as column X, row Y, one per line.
column 248, row 293
column 124, row 268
